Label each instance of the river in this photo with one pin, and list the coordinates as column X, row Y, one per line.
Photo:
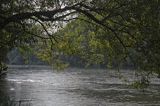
column 42, row 86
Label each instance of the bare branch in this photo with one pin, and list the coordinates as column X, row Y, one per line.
column 45, row 29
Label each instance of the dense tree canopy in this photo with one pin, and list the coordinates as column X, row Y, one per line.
column 98, row 31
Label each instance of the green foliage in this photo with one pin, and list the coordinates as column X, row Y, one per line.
column 26, row 51
column 141, row 84
column 134, row 38
column 110, row 32
column 3, row 67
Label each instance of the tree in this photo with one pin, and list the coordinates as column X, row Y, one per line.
column 131, row 36
column 18, row 19
column 130, row 28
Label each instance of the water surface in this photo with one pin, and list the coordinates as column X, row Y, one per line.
column 41, row 86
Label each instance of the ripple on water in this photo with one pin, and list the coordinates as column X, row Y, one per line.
column 76, row 88
column 21, row 80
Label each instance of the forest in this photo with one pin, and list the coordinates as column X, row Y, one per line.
column 109, row 33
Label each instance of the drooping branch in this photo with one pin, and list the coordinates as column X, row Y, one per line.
column 92, row 17
column 49, row 15
column 45, row 29
column 54, row 15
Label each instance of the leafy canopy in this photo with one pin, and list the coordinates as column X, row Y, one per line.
column 98, row 31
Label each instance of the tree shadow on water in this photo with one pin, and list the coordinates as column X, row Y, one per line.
column 8, row 102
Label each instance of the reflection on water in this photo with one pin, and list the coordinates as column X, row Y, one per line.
column 40, row 86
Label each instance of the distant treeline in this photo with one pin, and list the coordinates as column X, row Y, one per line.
column 16, row 58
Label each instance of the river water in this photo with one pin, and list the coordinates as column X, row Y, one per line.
column 42, row 86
